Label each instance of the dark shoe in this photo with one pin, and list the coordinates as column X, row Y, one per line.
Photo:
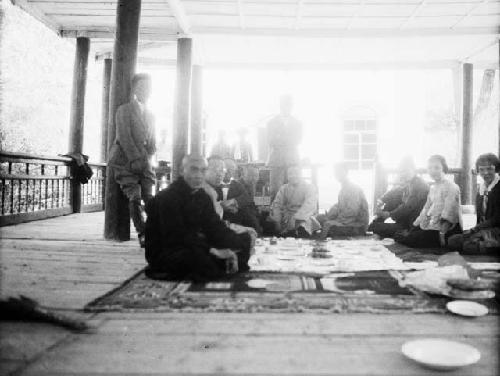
column 142, row 240
column 302, row 233
column 290, row 234
column 154, row 274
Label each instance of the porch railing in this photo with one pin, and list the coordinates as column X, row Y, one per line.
column 35, row 187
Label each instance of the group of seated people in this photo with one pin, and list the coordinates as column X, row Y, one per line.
column 204, row 225
column 426, row 216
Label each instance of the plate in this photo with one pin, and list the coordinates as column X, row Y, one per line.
column 286, row 258
column 466, row 308
column 440, row 354
column 259, row 283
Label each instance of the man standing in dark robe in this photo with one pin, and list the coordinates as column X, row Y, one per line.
column 185, row 238
column 130, row 157
column 236, row 202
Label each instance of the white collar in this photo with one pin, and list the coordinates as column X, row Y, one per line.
column 483, row 188
column 141, row 105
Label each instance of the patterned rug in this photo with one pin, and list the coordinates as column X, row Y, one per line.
column 369, row 291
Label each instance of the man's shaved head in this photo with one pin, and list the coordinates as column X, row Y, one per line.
column 194, row 169
column 216, row 170
column 190, row 158
column 294, row 174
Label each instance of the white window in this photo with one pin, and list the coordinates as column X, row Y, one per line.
column 360, row 143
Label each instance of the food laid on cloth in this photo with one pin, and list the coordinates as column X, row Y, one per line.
column 323, row 257
column 453, row 277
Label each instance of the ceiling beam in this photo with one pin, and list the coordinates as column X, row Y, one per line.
column 343, row 33
column 413, row 14
column 367, row 66
column 180, row 15
column 145, row 34
column 35, row 12
column 476, row 52
column 469, row 13
column 144, row 46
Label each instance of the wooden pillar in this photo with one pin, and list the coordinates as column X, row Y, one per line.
column 381, row 181
column 498, row 104
column 196, row 134
column 78, row 95
column 78, row 111
column 181, row 105
column 467, row 120
column 106, row 85
column 117, row 217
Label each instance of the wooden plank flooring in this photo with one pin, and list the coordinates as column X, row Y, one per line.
column 64, row 263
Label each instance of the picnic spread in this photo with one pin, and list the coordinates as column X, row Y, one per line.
column 300, row 275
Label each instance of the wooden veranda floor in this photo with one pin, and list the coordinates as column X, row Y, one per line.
column 64, row 263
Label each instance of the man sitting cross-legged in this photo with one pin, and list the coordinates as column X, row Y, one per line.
column 295, row 205
column 406, row 206
column 185, row 238
column 349, row 217
column 237, row 204
column 485, row 236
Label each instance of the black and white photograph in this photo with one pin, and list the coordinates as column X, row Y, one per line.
column 249, row 187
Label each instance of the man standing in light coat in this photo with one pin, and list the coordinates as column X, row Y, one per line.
column 130, row 157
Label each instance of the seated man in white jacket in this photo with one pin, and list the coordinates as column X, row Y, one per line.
column 294, row 206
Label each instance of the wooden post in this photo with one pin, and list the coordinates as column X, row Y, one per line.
column 467, row 117
column 381, row 182
column 117, row 216
column 106, row 85
column 181, row 105
column 78, row 112
column 498, row 104
column 197, row 110
column 457, row 79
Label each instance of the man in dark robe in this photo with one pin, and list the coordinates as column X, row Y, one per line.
column 130, row 157
column 237, row 204
column 185, row 238
column 414, row 195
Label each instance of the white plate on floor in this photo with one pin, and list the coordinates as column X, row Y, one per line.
column 441, row 354
column 466, row 308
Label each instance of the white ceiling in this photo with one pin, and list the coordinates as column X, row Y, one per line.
column 293, row 33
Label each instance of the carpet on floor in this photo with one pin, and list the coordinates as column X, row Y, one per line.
column 373, row 291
